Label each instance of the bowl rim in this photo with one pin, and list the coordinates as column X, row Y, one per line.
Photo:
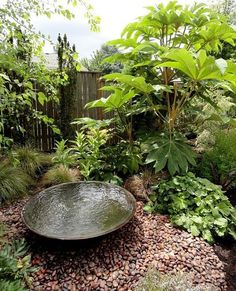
column 128, row 194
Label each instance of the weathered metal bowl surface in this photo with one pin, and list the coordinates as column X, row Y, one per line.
column 74, row 211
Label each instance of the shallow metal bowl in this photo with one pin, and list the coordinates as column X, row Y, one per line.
column 75, row 211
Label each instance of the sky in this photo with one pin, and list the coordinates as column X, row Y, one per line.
column 115, row 15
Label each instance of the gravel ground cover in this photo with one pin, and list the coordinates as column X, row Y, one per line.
column 118, row 260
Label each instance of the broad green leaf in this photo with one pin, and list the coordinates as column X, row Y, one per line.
column 41, row 98
column 175, row 154
column 184, row 61
column 137, row 83
column 5, row 77
column 206, row 234
column 146, row 47
column 114, row 101
column 197, row 219
column 172, row 166
column 222, row 222
column 194, row 230
column 123, row 42
column 56, row 130
column 179, row 202
column 220, row 231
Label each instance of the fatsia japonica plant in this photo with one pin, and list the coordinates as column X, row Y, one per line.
column 169, row 61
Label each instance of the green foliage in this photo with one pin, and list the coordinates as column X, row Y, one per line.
column 60, row 174
column 97, row 63
column 114, row 102
column 13, row 181
column 169, row 63
column 18, row 92
column 67, row 56
column 99, row 157
column 19, row 74
column 30, row 160
column 227, row 8
column 15, row 266
column 68, row 65
column 87, row 148
column 15, row 285
column 168, row 152
column 218, row 164
column 209, row 120
column 154, row 281
column 196, row 205
column 123, row 158
column 63, row 155
column 159, row 59
column 197, row 67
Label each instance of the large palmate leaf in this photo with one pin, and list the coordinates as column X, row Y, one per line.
column 197, row 67
column 137, row 83
column 114, row 101
column 172, row 153
column 123, row 42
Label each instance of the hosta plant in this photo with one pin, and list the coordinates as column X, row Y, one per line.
column 195, row 204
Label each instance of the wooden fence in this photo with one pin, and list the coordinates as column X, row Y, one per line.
column 85, row 89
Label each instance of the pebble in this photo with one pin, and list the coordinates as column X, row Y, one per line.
column 117, row 260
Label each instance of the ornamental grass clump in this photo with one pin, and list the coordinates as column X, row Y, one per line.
column 60, row 174
column 30, row 160
column 196, row 205
column 13, row 181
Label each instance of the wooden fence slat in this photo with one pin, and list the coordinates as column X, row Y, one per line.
column 85, row 89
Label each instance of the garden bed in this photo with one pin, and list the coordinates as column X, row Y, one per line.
column 117, row 261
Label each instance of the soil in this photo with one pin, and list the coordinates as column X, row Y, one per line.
column 118, row 260
column 226, row 251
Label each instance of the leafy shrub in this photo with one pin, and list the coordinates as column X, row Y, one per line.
column 154, row 281
column 123, row 158
column 63, row 155
column 15, row 266
column 99, row 158
column 211, row 119
column 13, row 181
column 30, row 160
column 88, row 150
column 15, row 285
column 218, row 164
column 60, row 174
column 196, row 205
